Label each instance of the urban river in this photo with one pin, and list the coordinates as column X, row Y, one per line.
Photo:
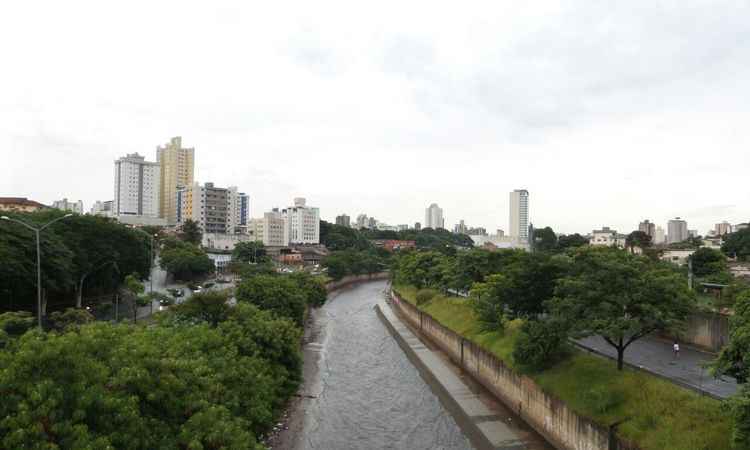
column 366, row 394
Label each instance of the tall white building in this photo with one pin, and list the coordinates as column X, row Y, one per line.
column 65, row 205
column 301, row 223
column 607, row 237
column 362, row 221
column 136, row 187
column 677, row 230
column 519, row 215
column 101, row 208
column 433, row 217
column 659, row 236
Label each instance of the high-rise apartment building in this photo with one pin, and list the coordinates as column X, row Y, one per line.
column 362, row 221
column 519, row 215
column 720, row 229
column 461, row 228
column 372, row 223
column 343, row 220
column 136, row 187
column 215, row 209
column 648, row 228
column 101, row 208
column 177, row 167
column 65, row 205
column 433, row 217
column 301, row 223
column 269, row 229
column 659, row 236
column 677, row 230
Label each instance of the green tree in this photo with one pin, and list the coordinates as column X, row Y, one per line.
column 540, row 343
column 190, row 232
column 421, row 269
column 313, row 288
column 184, row 260
column 737, row 244
column 209, row 306
column 250, row 252
column 565, row 242
column 621, row 297
column 708, row 262
column 338, row 237
column 734, row 360
column 638, row 239
column 545, row 240
column 281, row 295
column 522, row 288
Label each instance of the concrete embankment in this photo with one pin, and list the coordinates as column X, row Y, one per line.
column 348, row 280
column 484, row 428
column 548, row 415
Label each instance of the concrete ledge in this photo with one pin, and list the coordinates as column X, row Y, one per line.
column 478, row 422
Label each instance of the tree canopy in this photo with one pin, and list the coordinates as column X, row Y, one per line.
column 250, row 252
column 737, row 244
column 621, row 297
column 184, row 260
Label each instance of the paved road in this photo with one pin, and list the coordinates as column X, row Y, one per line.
column 657, row 356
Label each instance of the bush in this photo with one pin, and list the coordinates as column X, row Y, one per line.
column 425, row 295
column 69, row 319
column 16, row 323
column 540, row 344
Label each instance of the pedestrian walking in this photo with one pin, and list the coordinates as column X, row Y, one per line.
column 676, row 348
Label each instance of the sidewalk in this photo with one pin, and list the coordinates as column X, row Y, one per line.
column 657, row 356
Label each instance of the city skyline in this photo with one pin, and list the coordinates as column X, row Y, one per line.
column 467, row 105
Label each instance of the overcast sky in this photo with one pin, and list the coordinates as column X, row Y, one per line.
column 607, row 112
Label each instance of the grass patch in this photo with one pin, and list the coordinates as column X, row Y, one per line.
column 661, row 415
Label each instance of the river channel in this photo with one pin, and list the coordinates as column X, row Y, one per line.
column 366, row 393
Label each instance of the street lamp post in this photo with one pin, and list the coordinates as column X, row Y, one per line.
column 150, row 264
column 38, row 258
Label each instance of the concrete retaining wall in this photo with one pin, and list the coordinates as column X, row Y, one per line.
column 352, row 279
column 708, row 331
column 548, row 415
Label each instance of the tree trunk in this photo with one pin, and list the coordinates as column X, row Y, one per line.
column 79, row 294
column 620, row 357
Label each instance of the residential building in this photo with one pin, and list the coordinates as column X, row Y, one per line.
column 362, row 221
column 519, row 215
column 477, row 231
column 102, row 208
column 343, row 220
column 402, row 227
column 20, row 204
column 460, row 228
column 238, row 211
column 720, row 229
column 677, row 230
column 269, row 229
column 216, row 210
column 65, row 205
column 607, row 237
column 678, row 257
column 177, row 167
column 433, row 217
column 692, row 233
column 418, row 226
column 648, row 227
column 372, row 223
column 223, row 241
column 136, row 199
column 659, row 236
column 301, row 223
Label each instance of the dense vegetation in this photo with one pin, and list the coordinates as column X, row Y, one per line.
column 207, row 375
column 184, row 260
column 737, row 244
column 660, row 414
column 352, row 262
column 337, row 237
column 82, row 255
